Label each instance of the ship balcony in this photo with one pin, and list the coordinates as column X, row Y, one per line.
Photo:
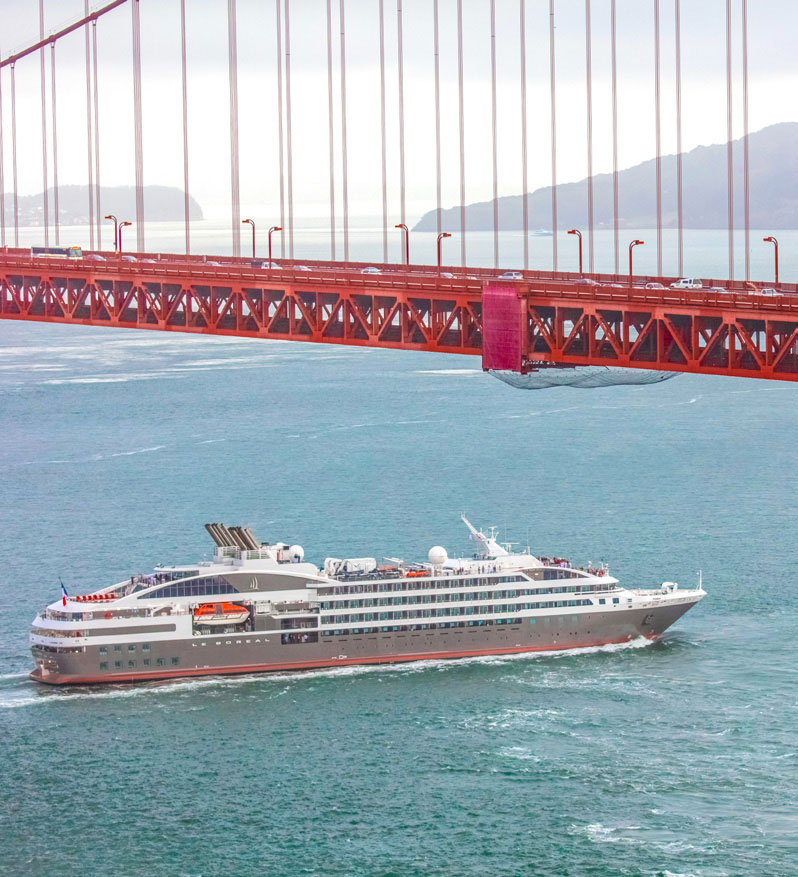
column 295, row 607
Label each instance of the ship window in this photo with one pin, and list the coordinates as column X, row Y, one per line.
column 103, row 665
column 131, row 648
column 159, row 662
column 145, row 647
column 531, row 620
column 131, row 663
column 193, row 588
column 117, row 648
column 615, row 600
column 175, row 661
column 117, row 664
column 602, row 601
column 103, row 650
column 146, row 662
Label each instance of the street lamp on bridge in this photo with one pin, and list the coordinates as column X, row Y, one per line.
column 119, row 237
column 579, row 235
column 441, row 236
column 252, row 223
column 632, row 245
column 407, row 241
column 273, row 229
column 116, row 231
column 771, row 240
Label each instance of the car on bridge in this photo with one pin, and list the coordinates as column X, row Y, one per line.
column 687, row 283
column 511, row 275
column 370, row 270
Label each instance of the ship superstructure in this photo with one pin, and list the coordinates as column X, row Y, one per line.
column 262, row 607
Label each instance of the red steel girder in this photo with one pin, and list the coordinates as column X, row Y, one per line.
column 563, row 320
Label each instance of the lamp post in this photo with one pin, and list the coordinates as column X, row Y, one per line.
column 632, row 245
column 116, row 231
column 579, row 236
column 407, row 241
column 273, row 229
column 771, row 240
column 121, row 226
column 441, row 236
column 252, row 223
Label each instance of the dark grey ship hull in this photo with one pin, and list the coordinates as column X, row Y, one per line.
column 268, row 651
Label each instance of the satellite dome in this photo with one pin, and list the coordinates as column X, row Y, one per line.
column 437, row 555
column 296, row 552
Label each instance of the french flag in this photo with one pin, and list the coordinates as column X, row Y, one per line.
column 64, row 594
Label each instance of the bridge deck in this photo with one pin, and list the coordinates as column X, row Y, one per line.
column 560, row 318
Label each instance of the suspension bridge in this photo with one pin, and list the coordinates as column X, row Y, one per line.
column 517, row 321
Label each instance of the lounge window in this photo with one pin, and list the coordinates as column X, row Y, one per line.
column 159, row 662
column 131, row 663
column 175, row 661
column 131, row 648
column 103, row 665
column 117, row 664
column 103, row 650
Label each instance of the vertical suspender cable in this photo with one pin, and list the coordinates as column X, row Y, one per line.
column 658, row 136
column 493, row 132
column 462, row 131
column 401, row 77
column 97, row 213
column 289, row 168
column 186, row 205
column 55, row 145
column 383, row 138
column 89, row 145
column 14, row 154
column 679, row 204
column 345, row 183
column 746, row 168
column 2, row 175
column 729, row 131
column 232, row 76
column 435, row 38
column 524, row 168
column 45, row 196
column 613, row 44
column 279, row 30
column 589, row 83
column 552, row 82
column 137, row 125
column 331, row 143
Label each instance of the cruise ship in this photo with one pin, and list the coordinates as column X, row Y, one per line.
column 259, row 607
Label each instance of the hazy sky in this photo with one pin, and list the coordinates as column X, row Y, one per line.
column 772, row 26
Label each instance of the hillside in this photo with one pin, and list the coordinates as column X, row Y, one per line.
column 773, row 155
column 161, row 203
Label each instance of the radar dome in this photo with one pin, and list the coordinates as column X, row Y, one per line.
column 296, row 552
column 437, row 555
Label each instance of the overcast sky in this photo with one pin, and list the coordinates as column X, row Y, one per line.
column 772, row 27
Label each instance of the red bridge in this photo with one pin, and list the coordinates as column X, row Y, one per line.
column 544, row 318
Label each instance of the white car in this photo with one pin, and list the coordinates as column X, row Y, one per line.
column 771, row 292
column 687, row 283
column 128, row 258
column 652, row 284
column 301, row 268
column 370, row 270
column 447, row 274
column 511, row 275
column 718, row 289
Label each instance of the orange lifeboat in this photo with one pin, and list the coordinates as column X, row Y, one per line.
column 220, row 613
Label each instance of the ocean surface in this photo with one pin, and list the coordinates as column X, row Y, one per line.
column 675, row 758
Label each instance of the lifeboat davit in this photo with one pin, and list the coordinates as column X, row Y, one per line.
column 220, row 613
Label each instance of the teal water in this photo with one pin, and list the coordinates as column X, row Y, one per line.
column 676, row 758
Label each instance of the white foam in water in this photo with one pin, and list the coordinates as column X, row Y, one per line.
column 178, row 686
column 138, row 451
